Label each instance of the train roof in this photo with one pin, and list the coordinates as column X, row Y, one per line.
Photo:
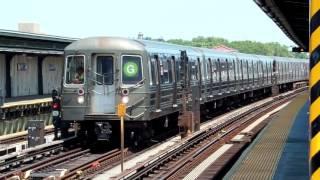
column 102, row 43
column 167, row 48
column 119, row 43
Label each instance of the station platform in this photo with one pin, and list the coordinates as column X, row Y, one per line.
column 281, row 150
column 14, row 108
column 25, row 100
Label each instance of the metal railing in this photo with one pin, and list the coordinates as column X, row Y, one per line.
column 94, row 79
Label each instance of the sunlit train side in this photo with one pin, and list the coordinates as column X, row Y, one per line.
column 100, row 71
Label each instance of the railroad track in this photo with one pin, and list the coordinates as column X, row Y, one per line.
column 77, row 165
column 177, row 163
column 22, row 137
column 17, row 164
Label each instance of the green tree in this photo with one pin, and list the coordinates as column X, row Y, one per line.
column 250, row 47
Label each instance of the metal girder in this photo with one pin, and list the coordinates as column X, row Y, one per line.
column 292, row 16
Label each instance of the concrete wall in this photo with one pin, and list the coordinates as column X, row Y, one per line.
column 2, row 74
column 52, row 68
column 24, row 75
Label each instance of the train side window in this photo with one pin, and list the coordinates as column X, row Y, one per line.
column 12, row 150
column 266, row 71
column 169, row 62
column 131, row 69
column 261, row 70
column 3, row 152
column 199, row 70
column 208, row 69
column 173, row 69
column 231, row 69
column 104, row 70
column 178, row 67
column 250, row 70
column 153, row 75
column 245, row 69
column 194, row 70
column 223, row 69
column 165, row 71
column 214, row 70
column 237, row 69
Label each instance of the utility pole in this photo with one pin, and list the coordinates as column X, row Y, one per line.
column 121, row 113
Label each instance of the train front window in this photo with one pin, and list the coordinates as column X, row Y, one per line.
column 75, row 70
column 131, row 69
column 105, row 70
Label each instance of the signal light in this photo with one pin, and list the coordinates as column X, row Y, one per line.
column 298, row 49
column 55, row 106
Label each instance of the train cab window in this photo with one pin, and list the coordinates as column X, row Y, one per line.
column 131, row 69
column 104, row 70
column 75, row 73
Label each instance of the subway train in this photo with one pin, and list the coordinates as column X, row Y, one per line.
column 150, row 76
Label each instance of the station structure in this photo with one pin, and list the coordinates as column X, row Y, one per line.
column 30, row 64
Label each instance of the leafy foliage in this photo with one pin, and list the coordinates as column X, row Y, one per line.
column 250, row 47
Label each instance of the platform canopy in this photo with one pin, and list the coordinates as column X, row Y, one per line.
column 30, row 43
column 292, row 16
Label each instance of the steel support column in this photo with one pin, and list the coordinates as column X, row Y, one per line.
column 40, row 75
column 314, row 118
column 8, row 58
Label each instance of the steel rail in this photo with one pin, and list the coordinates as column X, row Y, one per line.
column 143, row 171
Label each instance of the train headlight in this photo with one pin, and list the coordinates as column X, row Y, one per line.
column 80, row 99
column 125, row 99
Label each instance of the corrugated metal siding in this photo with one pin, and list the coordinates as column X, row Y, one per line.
column 2, row 74
column 24, row 75
column 52, row 73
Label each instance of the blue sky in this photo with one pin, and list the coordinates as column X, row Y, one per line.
column 168, row 19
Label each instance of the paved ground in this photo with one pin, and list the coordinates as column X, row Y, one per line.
column 293, row 163
column 281, row 150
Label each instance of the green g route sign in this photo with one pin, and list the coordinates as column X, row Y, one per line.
column 130, row 69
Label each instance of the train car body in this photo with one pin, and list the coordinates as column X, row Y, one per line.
column 99, row 70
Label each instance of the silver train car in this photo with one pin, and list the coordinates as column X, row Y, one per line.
column 101, row 72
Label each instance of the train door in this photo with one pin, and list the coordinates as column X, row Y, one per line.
column 253, row 73
column 199, row 74
column 103, row 96
column 227, row 75
column 268, row 73
column 220, row 75
column 241, row 77
column 174, row 79
column 210, row 77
